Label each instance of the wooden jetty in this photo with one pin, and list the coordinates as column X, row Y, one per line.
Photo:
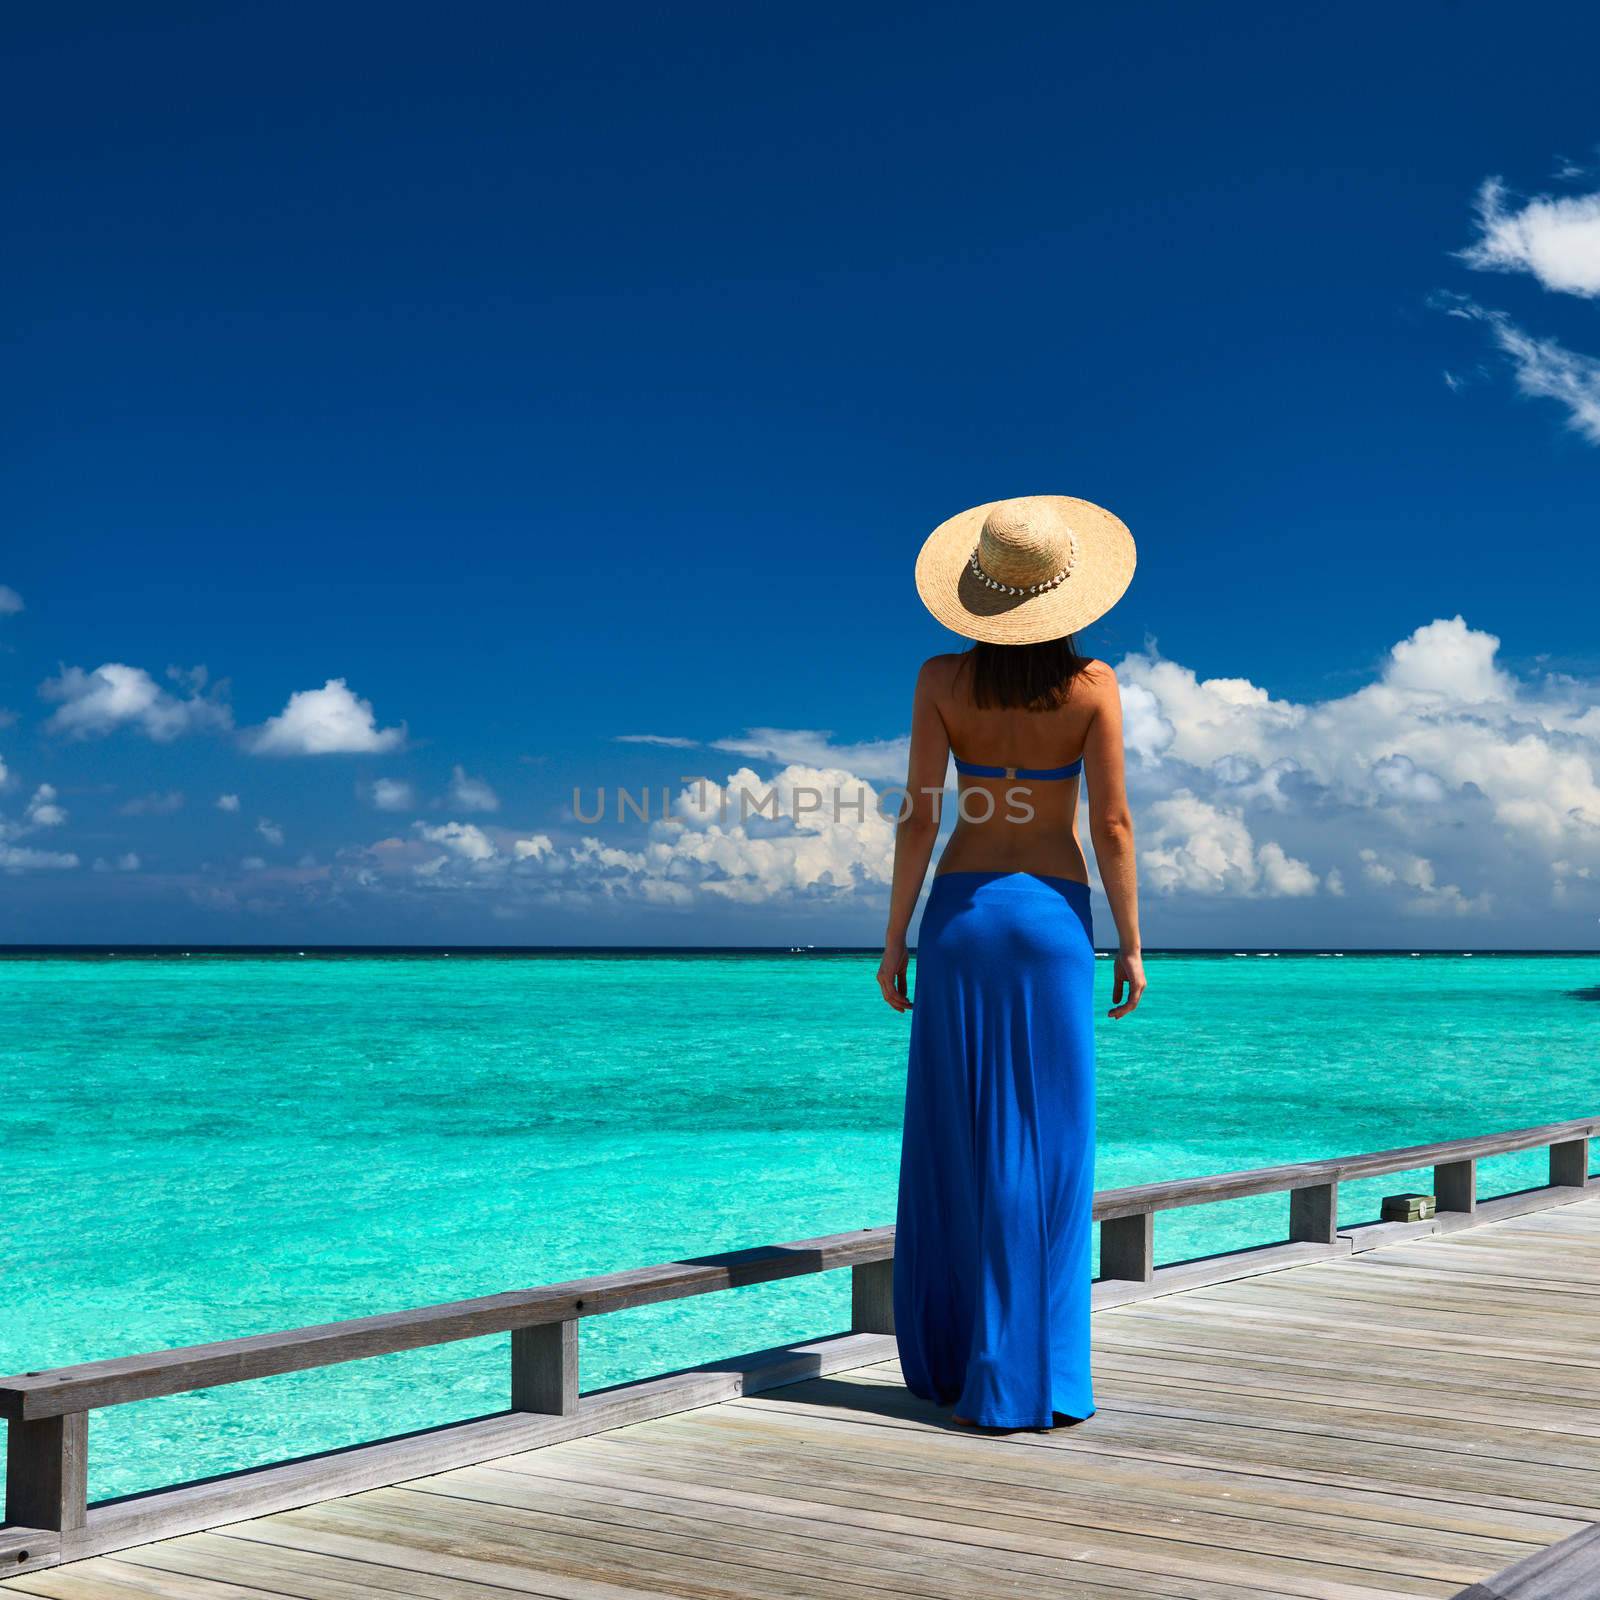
column 1354, row 1412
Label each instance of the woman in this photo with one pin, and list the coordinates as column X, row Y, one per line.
column 991, row 1267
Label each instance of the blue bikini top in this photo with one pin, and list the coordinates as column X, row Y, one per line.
column 971, row 769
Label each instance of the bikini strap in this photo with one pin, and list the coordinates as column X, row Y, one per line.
column 971, row 769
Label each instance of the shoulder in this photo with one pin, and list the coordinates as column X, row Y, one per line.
column 937, row 673
column 1098, row 676
column 1096, row 686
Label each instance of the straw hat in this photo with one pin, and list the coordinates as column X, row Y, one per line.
column 1024, row 570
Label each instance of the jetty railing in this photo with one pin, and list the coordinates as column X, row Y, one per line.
column 50, row 1519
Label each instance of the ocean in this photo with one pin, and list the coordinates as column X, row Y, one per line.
column 199, row 1146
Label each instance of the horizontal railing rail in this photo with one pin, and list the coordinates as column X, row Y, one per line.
column 47, row 1411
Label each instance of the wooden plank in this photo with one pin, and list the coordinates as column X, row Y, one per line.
column 1569, row 1162
column 23, row 1548
column 1314, row 1213
column 1034, row 1479
column 117, row 1580
column 313, row 1574
column 845, row 1502
column 320, row 1548
column 684, row 1563
column 1455, row 1185
column 47, row 1472
column 1373, row 1235
column 937, row 1571
column 125, row 1378
column 1128, row 1248
column 872, row 1297
column 1178, row 1277
column 1566, row 1571
column 1340, row 1169
column 1232, row 1447
column 544, row 1368
column 1249, row 1442
column 118, row 1524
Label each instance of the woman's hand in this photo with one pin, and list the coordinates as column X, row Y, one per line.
column 892, row 974
column 1127, row 976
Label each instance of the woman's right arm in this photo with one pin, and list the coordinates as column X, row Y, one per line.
column 1111, row 831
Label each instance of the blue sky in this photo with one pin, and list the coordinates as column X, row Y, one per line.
column 545, row 381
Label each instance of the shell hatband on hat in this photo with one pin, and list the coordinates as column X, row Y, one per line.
column 1033, row 588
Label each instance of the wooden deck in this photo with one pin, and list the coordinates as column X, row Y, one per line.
column 1401, row 1420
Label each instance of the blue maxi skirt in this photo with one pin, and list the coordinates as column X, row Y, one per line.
column 992, row 1262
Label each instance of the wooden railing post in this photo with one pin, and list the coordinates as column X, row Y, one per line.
column 544, row 1368
column 1128, row 1247
column 872, row 1297
column 1569, row 1163
column 1314, row 1214
column 47, row 1472
column 1455, row 1186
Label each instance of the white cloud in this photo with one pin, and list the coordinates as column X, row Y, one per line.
column 1189, row 844
column 269, row 830
column 10, row 601
column 227, row 802
column 807, row 833
column 471, row 794
column 1555, row 238
column 127, row 862
column 1474, row 788
column 1445, row 752
column 1427, row 896
column 44, row 811
column 1448, row 662
column 114, row 696
column 1546, row 370
column 155, row 804
column 1402, row 778
column 19, row 858
column 392, row 794
column 331, row 720
column 464, row 839
column 671, row 741
column 812, row 747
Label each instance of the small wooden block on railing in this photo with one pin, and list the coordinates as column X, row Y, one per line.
column 1408, row 1207
column 1455, row 1185
column 544, row 1368
column 1314, row 1214
column 872, row 1297
column 47, row 1472
column 1569, row 1163
column 1128, row 1247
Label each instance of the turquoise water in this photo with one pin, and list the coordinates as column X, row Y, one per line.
column 203, row 1148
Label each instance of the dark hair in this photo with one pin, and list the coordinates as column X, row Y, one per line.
column 1032, row 677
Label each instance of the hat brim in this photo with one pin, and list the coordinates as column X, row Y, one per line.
column 954, row 594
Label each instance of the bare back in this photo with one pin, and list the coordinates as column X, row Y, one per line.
column 1010, row 823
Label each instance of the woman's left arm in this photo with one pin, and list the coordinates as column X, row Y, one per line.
column 915, row 834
